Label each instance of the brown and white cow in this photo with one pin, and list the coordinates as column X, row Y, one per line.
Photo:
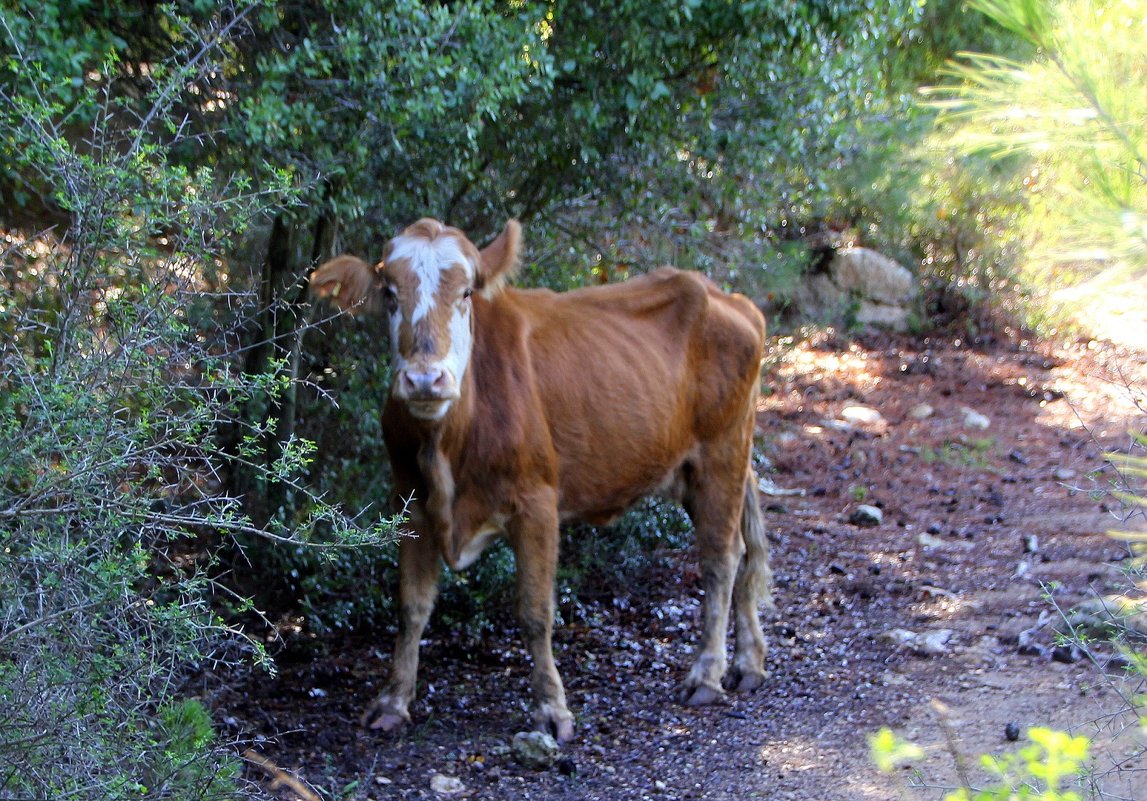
column 513, row 411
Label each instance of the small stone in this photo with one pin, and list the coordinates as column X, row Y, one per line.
column 927, row 540
column 1028, row 646
column 867, row 516
column 382, row 781
column 861, row 415
column 536, row 750
column 1031, row 543
column 1012, row 731
column 975, row 420
column 934, row 643
column 931, row 643
column 921, row 411
column 1064, row 474
column 446, row 785
column 787, row 440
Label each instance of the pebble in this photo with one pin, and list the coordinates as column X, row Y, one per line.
column 930, row 643
column 929, row 541
column 1012, row 731
column 1064, row 474
column 975, row 420
column 865, row 515
column 921, row 411
column 861, row 415
column 536, row 750
column 446, row 785
column 787, row 440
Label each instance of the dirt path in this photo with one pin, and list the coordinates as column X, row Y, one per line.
column 984, row 529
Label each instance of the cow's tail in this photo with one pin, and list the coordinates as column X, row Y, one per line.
column 756, row 575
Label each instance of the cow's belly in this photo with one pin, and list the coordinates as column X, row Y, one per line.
column 599, row 497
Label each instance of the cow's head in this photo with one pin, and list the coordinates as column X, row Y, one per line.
column 425, row 284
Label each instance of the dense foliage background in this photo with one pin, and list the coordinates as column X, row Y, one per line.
column 176, row 433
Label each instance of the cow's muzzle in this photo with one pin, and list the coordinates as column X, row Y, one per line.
column 426, row 390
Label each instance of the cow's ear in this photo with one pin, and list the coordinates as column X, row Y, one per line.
column 499, row 259
column 347, row 280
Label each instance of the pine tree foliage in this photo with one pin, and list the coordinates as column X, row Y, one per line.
column 1075, row 109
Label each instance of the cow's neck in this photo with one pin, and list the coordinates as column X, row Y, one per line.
column 470, row 427
column 440, row 444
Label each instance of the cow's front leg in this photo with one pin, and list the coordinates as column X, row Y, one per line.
column 534, row 537
column 418, row 569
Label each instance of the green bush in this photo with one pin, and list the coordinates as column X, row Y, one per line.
column 119, row 414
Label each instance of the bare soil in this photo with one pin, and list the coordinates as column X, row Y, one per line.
column 984, row 531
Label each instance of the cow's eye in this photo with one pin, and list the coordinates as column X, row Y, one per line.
column 467, row 292
column 390, row 297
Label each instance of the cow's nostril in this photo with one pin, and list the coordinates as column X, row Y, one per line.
column 421, row 383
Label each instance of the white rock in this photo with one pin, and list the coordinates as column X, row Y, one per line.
column 862, row 415
column 921, row 411
column 929, row 541
column 1064, row 474
column 865, row 515
column 975, row 420
column 929, row 643
column 769, row 487
column 870, row 287
column 535, row 749
column 787, row 440
column 874, row 276
column 446, row 785
column 882, row 315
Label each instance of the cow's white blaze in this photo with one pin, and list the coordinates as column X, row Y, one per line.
column 428, row 259
column 461, row 342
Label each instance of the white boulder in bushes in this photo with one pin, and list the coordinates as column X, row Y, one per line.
column 881, row 289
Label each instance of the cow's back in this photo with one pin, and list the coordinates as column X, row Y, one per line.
column 634, row 377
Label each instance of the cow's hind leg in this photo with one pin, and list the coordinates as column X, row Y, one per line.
column 533, row 535
column 715, row 507
column 752, row 588
column 419, row 568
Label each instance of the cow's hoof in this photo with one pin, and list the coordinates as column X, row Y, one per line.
column 702, row 695
column 562, row 730
column 383, row 716
column 750, row 682
column 557, row 722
